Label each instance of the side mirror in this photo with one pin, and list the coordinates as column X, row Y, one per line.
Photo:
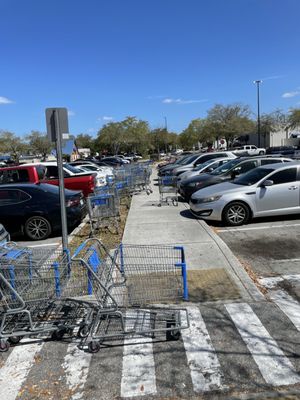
column 267, row 182
column 210, row 169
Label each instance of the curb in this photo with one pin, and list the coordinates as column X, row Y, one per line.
column 78, row 229
column 236, row 267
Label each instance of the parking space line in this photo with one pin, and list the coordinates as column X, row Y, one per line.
column 202, row 359
column 138, row 370
column 16, row 368
column 253, row 228
column 272, row 281
column 274, row 366
column 288, row 305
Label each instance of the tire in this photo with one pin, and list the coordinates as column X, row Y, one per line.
column 94, row 347
column 4, row 346
column 58, row 335
column 261, row 153
column 236, row 213
column 37, row 228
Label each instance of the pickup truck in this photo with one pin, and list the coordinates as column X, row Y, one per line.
column 39, row 173
column 249, row 150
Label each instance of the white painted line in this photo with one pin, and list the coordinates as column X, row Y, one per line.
column 43, row 245
column 253, row 228
column 138, row 371
column 76, row 365
column 202, row 359
column 16, row 368
column 274, row 366
column 288, row 305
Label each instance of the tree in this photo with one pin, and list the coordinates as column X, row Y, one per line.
column 85, row 141
column 231, row 121
column 195, row 132
column 162, row 140
column 129, row 135
column 11, row 144
column 294, row 118
column 39, row 143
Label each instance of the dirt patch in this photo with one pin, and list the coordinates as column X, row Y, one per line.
column 211, row 285
column 109, row 237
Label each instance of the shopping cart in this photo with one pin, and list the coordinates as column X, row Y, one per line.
column 41, row 293
column 168, row 191
column 104, row 209
column 133, row 290
column 140, row 177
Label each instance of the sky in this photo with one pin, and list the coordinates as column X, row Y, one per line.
column 162, row 61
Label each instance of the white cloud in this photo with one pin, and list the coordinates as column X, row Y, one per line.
column 105, row 118
column 181, row 101
column 71, row 113
column 154, row 97
column 268, row 78
column 5, row 100
column 288, row 95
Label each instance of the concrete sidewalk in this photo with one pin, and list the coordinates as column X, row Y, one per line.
column 149, row 224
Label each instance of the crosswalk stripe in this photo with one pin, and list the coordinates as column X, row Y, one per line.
column 202, row 359
column 138, row 370
column 276, row 369
column 16, row 368
column 76, row 365
column 288, row 305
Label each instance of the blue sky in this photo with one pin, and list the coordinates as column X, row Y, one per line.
column 153, row 59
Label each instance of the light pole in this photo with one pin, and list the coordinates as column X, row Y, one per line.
column 258, row 112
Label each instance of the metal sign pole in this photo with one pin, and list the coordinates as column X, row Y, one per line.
column 63, row 214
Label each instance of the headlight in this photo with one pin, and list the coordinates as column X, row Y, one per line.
column 195, row 184
column 209, row 199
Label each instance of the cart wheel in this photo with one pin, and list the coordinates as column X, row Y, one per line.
column 173, row 334
column 159, row 205
column 4, row 346
column 148, row 192
column 175, row 203
column 14, row 339
column 58, row 335
column 83, row 331
column 94, row 347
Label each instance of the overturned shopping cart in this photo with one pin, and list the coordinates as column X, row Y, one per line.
column 41, row 293
column 133, row 290
column 168, row 191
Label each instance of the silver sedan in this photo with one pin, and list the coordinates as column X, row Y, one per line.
column 265, row 191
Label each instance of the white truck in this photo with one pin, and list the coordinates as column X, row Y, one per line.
column 249, row 150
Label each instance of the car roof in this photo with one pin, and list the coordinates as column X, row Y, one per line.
column 280, row 165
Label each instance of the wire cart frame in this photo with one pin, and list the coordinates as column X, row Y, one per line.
column 125, row 306
column 168, row 190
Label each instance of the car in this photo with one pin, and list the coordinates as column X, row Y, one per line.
column 288, row 151
column 225, row 172
column 269, row 190
column 102, row 172
column 34, row 209
column 249, row 150
column 194, row 162
column 126, row 160
column 206, row 167
column 47, row 172
column 113, row 161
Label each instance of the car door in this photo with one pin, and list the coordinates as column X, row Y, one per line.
column 282, row 196
column 12, row 208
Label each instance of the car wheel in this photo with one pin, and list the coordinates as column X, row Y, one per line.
column 261, row 153
column 37, row 228
column 236, row 213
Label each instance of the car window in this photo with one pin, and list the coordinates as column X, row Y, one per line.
column 270, row 161
column 253, row 176
column 285, row 176
column 14, row 176
column 41, row 171
column 245, row 167
column 12, row 196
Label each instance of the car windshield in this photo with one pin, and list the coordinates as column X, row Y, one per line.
column 203, row 165
column 71, row 169
column 253, row 176
column 226, row 167
column 181, row 160
column 190, row 159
